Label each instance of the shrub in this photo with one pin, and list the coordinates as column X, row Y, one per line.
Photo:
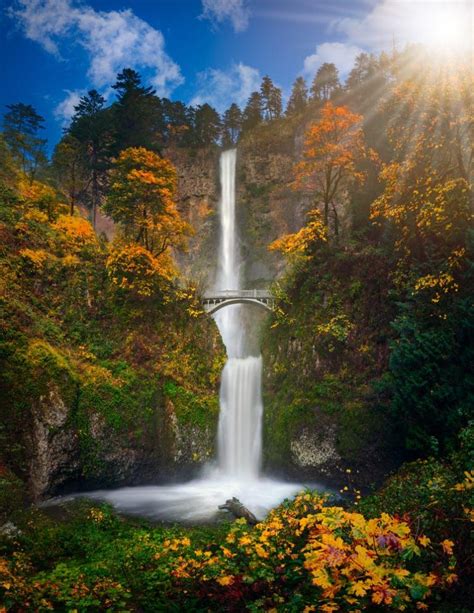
column 306, row 556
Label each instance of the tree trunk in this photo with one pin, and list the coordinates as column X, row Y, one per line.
column 336, row 221
column 238, row 510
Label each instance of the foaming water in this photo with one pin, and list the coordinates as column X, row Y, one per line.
column 195, row 501
column 239, row 440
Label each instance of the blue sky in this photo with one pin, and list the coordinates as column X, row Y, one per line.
column 197, row 50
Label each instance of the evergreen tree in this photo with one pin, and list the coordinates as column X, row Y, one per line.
column 367, row 80
column 232, row 124
column 21, row 126
column 325, row 83
column 365, row 68
column 298, row 98
column 271, row 99
column 135, row 113
column 91, row 127
column 207, row 126
column 276, row 106
column 178, row 120
column 253, row 113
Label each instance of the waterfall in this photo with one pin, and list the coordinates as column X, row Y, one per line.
column 228, row 276
column 240, row 416
column 239, row 432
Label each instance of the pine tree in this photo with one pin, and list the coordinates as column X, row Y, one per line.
column 207, row 126
column 276, row 106
column 232, row 124
column 135, row 113
column 178, row 121
column 91, row 126
column 253, row 113
column 271, row 99
column 21, row 127
column 325, row 83
column 367, row 80
column 298, row 98
column 364, row 69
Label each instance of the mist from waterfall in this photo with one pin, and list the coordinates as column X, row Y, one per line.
column 240, row 417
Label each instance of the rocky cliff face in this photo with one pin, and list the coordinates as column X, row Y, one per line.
column 267, row 206
column 323, row 359
column 54, row 449
column 198, row 195
column 62, row 458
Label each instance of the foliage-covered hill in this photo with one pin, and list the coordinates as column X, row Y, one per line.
column 108, row 376
column 368, row 353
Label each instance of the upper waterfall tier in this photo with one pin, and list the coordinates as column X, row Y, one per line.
column 229, row 257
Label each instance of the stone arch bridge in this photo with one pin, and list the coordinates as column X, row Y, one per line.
column 215, row 300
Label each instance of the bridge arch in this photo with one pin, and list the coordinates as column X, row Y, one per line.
column 210, row 310
column 214, row 301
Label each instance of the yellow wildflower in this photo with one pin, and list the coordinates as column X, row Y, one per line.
column 447, row 546
column 261, row 551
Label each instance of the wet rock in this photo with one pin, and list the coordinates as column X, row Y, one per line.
column 314, row 449
column 54, row 445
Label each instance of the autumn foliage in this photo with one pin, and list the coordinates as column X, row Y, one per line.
column 136, row 271
column 142, row 200
column 427, row 195
column 302, row 242
column 333, row 153
column 338, row 558
column 305, row 556
column 334, row 147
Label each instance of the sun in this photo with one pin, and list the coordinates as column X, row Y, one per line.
column 445, row 26
column 444, row 30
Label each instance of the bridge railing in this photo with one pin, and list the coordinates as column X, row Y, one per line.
column 237, row 293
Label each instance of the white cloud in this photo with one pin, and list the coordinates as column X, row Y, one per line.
column 218, row 11
column 432, row 22
column 112, row 39
column 340, row 54
column 220, row 88
column 65, row 109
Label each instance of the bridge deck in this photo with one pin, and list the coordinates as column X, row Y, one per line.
column 237, row 293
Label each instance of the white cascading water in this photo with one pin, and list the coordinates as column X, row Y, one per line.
column 239, row 432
